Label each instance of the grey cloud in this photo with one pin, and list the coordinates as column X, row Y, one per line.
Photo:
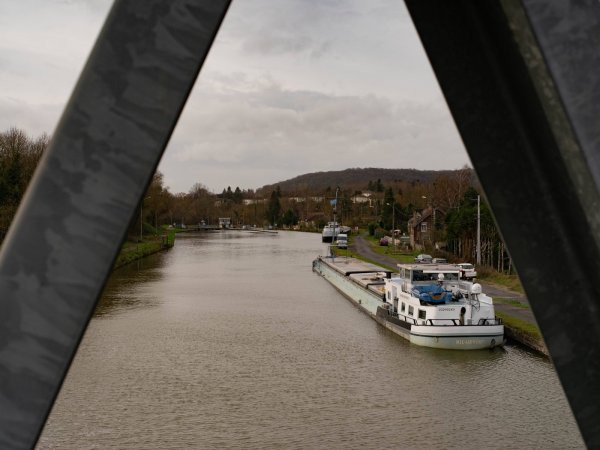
column 283, row 133
column 96, row 6
column 284, row 91
column 320, row 50
column 272, row 28
column 269, row 44
column 34, row 119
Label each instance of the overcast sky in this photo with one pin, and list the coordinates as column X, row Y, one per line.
column 289, row 87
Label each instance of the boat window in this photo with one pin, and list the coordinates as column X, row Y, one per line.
column 411, row 310
column 403, row 308
column 422, row 314
column 452, row 276
column 388, row 295
column 418, row 275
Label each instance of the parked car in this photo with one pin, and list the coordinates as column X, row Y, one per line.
column 439, row 261
column 423, row 258
column 342, row 240
column 467, row 271
column 383, row 241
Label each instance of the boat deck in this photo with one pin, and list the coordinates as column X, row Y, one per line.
column 348, row 265
column 368, row 275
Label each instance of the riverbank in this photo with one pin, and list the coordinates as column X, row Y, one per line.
column 511, row 306
column 132, row 251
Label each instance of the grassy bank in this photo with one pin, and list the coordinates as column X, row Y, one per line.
column 510, row 282
column 523, row 332
column 132, row 251
column 512, row 302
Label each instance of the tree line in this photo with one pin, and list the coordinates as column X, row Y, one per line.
column 19, row 156
column 384, row 204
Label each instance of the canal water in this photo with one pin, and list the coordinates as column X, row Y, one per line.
column 229, row 340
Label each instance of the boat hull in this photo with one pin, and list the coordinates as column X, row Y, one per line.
column 465, row 337
column 458, row 337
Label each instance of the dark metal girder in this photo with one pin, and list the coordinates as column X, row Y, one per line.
column 69, row 227
column 535, row 158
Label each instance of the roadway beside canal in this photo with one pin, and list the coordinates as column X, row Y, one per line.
column 512, row 307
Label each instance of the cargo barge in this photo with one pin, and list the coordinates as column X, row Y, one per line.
column 427, row 304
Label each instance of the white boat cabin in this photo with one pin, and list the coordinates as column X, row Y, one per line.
column 330, row 231
column 434, row 294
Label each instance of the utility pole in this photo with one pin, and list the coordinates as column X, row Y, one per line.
column 393, row 225
column 334, row 213
column 478, row 230
column 141, row 220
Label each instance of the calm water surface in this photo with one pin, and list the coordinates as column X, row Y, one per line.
column 230, row 341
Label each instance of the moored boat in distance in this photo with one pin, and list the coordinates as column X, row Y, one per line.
column 330, row 231
column 428, row 304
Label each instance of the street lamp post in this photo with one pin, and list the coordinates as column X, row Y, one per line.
column 393, row 223
column 142, row 218
column 334, row 214
column 156, row 212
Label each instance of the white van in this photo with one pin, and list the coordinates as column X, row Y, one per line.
column 342, row 240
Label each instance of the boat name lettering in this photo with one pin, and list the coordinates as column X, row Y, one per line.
column 446, row 309
column 468, row 341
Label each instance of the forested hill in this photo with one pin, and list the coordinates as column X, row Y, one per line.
column 353, row 179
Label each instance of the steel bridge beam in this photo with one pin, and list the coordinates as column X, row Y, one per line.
column 70, row 225
column 522, row 81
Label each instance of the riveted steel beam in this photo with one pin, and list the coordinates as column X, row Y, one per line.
column 68, row 230
column 522, row 82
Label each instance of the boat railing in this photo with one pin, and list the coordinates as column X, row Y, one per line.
column 439, row 322
column 444, row 322
column 451, row 322
column 494, row 321
column 405, row 318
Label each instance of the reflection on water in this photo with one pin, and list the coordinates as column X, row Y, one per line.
column 123, row 282
column 229, row 340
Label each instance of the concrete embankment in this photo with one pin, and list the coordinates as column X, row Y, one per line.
column 512, row 307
